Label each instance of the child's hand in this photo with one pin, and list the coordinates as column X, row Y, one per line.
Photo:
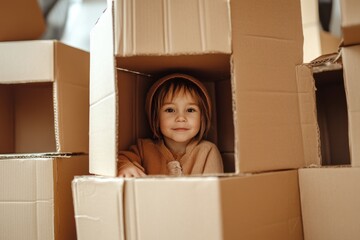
column 130, row 171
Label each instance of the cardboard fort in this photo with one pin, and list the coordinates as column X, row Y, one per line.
column 260, row 206
column 44, row 97
column 330, row 202
column 336, row 104
column 244, row 54
column 36, row 200
column 21, row 20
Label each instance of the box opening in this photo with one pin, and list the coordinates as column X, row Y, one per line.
column 142, row 71
column 27, row 118
column 332, row 117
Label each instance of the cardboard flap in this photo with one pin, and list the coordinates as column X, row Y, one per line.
column 308, row 117
column 34, row 61
column 96, row 201
column 171, row 27
column 186, row 206
column 71, row 99
column 103, row 99
column 267, row 45
column 21, row 20
column 351, row 63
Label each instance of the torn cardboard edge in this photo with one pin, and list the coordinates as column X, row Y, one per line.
column 41, row 155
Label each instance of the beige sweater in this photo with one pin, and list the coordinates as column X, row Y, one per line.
column 154, row 158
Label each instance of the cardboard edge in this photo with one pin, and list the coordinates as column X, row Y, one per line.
column 96, row 199
column 103, row 89
column 308, row 117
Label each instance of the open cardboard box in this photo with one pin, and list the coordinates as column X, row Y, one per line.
column 244, row 54
column 21, row 20
column 259, row 206
column 330, row 193
column 335, row 102
column 44, row 97
column 36, row 200
column 350, row 22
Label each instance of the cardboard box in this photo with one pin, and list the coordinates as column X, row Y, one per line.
column 350, row 21
column 260, row 206
column 21, row 20
column 35, row 200
column 44, row 97
column 330, row 203
column 335, row 105
column 245, row 55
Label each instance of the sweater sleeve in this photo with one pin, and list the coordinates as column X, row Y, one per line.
column 214, row 163
column 132, row 156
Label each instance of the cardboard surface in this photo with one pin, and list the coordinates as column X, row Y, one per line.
column 334, row 134
column 21, row 20
column 261, row 206
column 350, row 21
column 171, row 27
column 44, row 87
column 253, row 73
column 36, row 196
column 330, row 203
column 351, row 59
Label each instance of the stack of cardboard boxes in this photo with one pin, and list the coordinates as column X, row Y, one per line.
column 330, row 194
column 43, row 128
column 246, row 53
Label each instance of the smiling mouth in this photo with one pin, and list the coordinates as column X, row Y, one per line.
column 180, row 129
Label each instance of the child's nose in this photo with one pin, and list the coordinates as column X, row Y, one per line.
column 180, row 118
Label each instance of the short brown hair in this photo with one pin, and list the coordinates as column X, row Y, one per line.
column 171, row 88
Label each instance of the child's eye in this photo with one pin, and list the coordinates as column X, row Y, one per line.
column 169, row 110
column 191, row 110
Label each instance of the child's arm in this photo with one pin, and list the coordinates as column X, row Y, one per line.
column 214, row 163
column 129, row 163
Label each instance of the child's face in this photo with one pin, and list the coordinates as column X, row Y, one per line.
column 180, row 118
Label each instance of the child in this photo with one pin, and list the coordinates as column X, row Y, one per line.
column 178, row 108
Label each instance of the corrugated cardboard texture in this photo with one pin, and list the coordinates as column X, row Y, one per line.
column 171, row 27
column 21, row 20
column 351, row 61
column 45, row 98
column 71, row 99
column 35, row 200
column 350, row 21
column 27, row 199
column 330, row 203
column 263, row 206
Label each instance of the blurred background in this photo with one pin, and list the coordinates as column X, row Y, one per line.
column 70, row 21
